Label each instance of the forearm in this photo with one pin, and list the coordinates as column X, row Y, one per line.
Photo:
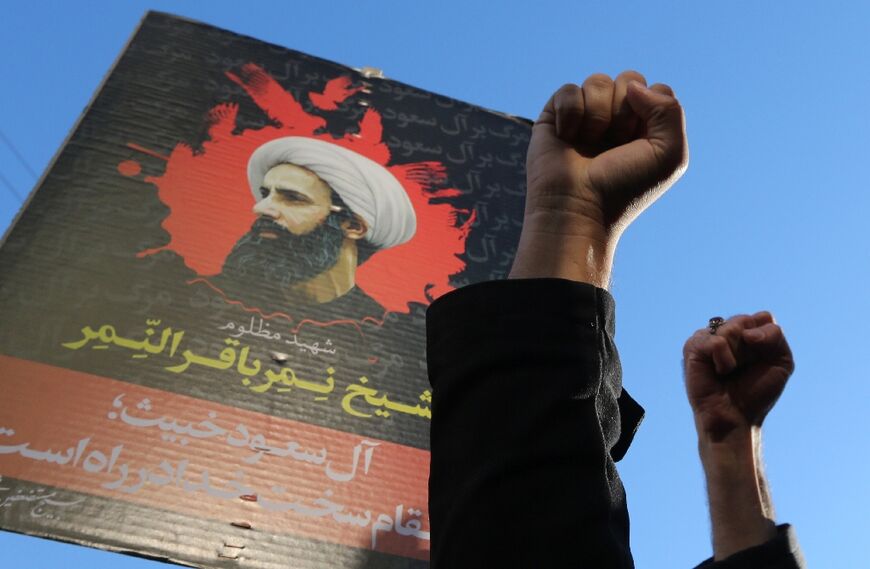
column 741, row 512
column 734, row 374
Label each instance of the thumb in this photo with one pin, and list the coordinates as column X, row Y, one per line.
column 662, row 116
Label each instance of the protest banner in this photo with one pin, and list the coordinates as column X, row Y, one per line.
column 212, row 346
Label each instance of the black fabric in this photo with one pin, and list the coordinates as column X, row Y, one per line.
column 528, row 419
column 526, row 383
column 782, row 552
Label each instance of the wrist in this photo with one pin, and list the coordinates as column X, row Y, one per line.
column 734, row 456
column 567, row 245
column 715, row 439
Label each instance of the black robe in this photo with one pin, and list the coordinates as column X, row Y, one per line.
column 528, row 419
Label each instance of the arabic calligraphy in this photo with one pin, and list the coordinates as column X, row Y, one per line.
column 382, row 402
column 237, row 357
column 238, row 436
column 313, row 348
column 127, row 479
column 409, row 147
column 39, row 500
column 107, row 335
column 261, row 330
column 404, row 119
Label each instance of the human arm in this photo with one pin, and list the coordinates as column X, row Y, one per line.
column 600, row 154
column 529, row 414
column 528, row 418
column 733, row 379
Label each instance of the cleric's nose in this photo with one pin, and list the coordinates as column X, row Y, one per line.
column 266, row 207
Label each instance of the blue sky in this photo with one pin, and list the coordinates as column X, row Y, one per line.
column 771, row 215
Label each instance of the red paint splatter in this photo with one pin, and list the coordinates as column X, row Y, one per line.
column 211, row 206
column 335, row 92
column 129, row 168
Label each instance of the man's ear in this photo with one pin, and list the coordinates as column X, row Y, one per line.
column 354, row 228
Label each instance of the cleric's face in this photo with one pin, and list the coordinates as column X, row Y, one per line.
column 295, row 237
column 295, row 198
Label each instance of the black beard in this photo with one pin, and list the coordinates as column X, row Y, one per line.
column 283, row 261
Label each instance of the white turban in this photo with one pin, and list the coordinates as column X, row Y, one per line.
column 368, row 188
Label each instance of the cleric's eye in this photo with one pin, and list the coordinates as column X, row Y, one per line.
column 292, row 196
column 264, row 193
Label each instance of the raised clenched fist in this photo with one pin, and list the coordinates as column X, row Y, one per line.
column 606, row 149
column 600, row 153
column 735, row 375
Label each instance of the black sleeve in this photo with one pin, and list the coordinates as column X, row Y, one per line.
column 528, row 418
column 781, row 552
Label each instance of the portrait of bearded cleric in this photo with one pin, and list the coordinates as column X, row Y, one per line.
column 321, row 210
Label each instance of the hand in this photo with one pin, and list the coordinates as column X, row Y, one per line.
column 599, row 155
column 735, row 376
column 603, row 152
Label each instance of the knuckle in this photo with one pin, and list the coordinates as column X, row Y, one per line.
column 674, row 107
column 689, row 345
column 671, row 107
column 598, row 81
column 569, row 90
column 568, row 99
column 739, row 320
column 632, row 75
column 765, row 314
column 695, row 341
column 663, row 89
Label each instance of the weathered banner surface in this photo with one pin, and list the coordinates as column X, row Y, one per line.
column 212, row 332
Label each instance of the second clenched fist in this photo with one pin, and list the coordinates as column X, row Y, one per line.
column 735, row 375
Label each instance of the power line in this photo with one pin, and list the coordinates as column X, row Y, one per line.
column 19, row 156
column 11, row 189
